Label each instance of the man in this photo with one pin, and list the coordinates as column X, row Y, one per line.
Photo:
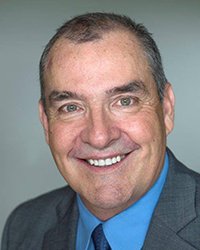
column 107, row 108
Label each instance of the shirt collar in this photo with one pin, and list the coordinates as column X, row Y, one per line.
column 130, row 224
column 86, row 225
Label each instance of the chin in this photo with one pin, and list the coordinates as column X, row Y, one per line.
column 111, row 203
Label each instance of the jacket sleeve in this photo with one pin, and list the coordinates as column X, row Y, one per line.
column 10, row 237
column 5, row 236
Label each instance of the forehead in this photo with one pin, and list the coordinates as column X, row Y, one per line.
column 115, row 59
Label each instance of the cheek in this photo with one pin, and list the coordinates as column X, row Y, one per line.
column 62, row 136
column 143, row 128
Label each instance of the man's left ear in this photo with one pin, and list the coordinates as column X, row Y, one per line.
column 44, row 121
column 168, row 108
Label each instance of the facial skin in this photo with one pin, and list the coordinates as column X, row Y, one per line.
column 102, row 102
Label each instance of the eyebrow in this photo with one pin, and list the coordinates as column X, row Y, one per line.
column 62, row 95
column 133, row 86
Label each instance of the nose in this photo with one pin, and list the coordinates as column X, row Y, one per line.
column 100, row 130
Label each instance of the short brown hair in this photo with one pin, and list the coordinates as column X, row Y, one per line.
column 92, row 26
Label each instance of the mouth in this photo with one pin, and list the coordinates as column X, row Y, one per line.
column 106, row 161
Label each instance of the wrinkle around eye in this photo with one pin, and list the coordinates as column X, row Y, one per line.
column 133, row 107
column 129, row 102
column 65, row 112
column 69, row 108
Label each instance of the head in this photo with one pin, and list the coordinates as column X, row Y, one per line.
column 92, row 27
column 106, row 108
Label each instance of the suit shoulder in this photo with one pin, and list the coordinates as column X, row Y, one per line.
column 42, row 204
column 45, row 201
column 193, row 174
column 181, row 168
column 32, row 218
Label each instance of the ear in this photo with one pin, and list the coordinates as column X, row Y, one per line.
column 168, row 108
column 44, row 121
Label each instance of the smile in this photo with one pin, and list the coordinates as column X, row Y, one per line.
column 105, row 162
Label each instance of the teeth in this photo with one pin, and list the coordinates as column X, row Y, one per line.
column 106, row 162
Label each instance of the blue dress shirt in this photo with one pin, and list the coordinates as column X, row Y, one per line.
column 126, row 230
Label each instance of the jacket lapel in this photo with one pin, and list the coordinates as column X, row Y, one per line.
column 174, row 213
column 175, row 210
column 162, row 237
column 63, row 235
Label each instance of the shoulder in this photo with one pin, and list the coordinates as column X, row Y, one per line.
column 45, row 203
column 187, row 188
column 33, row 218
column 177, row 214
column 180, row 169
column 184, row 178
column 185, row 182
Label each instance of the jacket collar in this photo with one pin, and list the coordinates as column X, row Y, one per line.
column 63, row 234
column 175, row 210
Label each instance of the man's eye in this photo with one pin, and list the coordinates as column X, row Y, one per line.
column 70, row 108
column 126, row 101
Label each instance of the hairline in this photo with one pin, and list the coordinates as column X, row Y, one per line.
column 144, row 40
column 101, row 37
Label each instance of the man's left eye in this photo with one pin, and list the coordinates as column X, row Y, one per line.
column 126, row 101
column 70, row 108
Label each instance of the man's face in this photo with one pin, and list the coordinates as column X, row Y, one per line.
column 105, row 124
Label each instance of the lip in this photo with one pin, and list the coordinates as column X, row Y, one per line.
column 86, row 152
column 83, row 154
column 106, row 161
column 107, row 169
column 104, row 156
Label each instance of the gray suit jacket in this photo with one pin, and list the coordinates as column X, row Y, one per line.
column 50, row 221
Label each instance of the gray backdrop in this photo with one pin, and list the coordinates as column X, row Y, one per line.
column 27, row 168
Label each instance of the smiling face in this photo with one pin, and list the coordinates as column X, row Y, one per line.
column 105, row 124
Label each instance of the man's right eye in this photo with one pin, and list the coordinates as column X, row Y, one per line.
column 69, row 108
